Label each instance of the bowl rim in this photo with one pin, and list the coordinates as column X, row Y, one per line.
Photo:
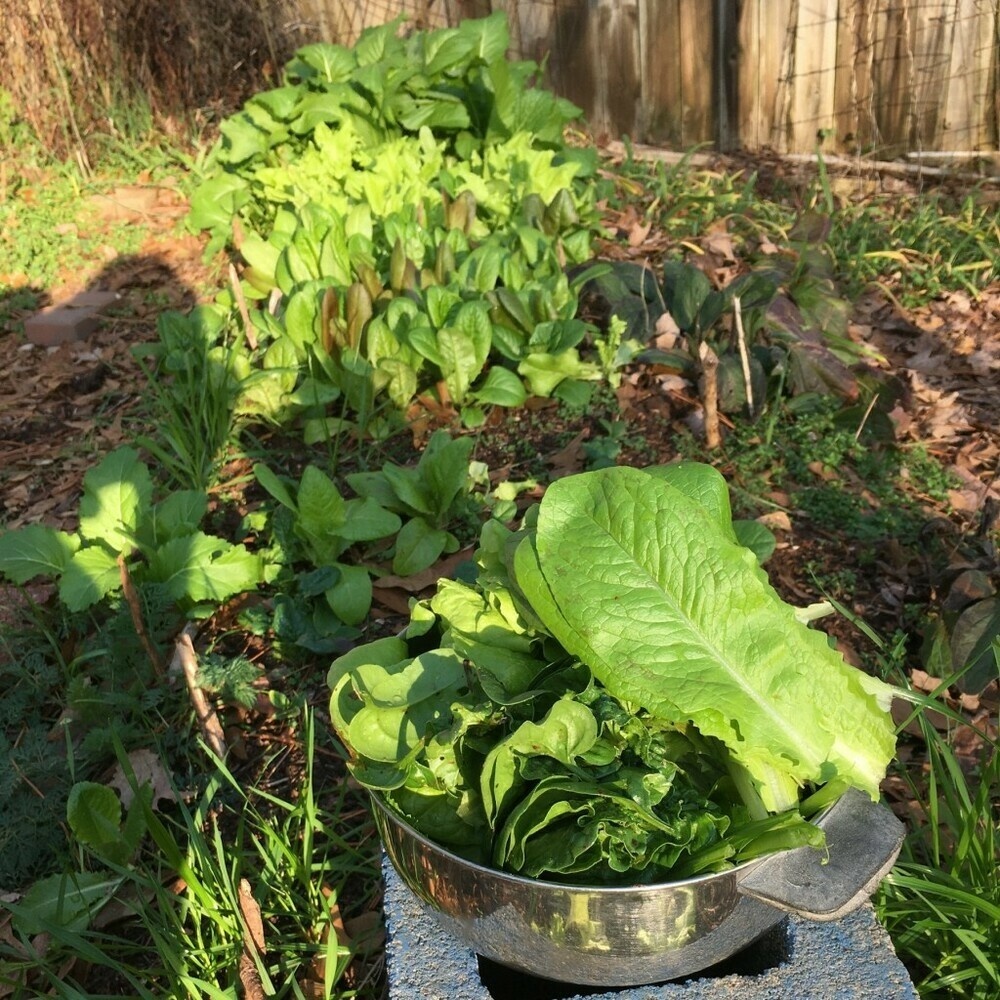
column 527, row 881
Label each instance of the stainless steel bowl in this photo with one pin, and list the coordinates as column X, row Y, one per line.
column 634, row 935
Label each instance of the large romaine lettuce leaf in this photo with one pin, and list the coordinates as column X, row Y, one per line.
column 633, row 576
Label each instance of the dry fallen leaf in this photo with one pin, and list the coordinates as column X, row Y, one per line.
column 417, row 582
column 570, row 458
column 776, row 520
column 148, row 770
column 923, row 681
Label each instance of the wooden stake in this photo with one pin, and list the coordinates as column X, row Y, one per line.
column 208, row 721
column 253, row 944
column 710, row 394
column 241, row 304
column 741, row 340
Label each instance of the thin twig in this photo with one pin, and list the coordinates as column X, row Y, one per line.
column 616, row 150
column 864, row 419
column 211, row 728
column 741, row 340
column 25, row 778
column 710, row 394
column 135, row 609
column 241, row 304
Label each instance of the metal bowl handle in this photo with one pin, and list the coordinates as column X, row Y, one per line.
column 863, row 840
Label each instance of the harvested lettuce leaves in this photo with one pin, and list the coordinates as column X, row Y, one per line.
column 620, row 697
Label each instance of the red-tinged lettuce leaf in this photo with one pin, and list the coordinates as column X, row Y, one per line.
column 634, row 577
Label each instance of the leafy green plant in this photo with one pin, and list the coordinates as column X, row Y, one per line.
column 407, row 228
column 962, row 636
column 325, row 526
column 195, row 383
column 772, row 328
column 427, row 316
column 602, row 450
column 429, row 494
column 118, row 523
column 454, row 83
column 538, row 729
column 182, row 896
column 94, row 815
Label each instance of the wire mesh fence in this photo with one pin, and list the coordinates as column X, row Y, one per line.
column 862, row 76
column 884, row 77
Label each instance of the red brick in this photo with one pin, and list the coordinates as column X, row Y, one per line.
column 75, row 319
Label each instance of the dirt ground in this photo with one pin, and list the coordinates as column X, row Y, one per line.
column 63, row 407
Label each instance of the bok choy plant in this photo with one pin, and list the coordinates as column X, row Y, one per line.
column 620, row 696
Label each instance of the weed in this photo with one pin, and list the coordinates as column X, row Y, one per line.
column 941, row 903
column 811, row 455
column 925, row 475
column 925, row 246
column 231, row 679
column 193, row 387
column 73, row 685
column 604, row 448
column 235, row 850
column 837, row 583
column 686, row 203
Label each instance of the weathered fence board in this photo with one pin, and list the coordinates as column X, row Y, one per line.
column 852, row 85
column 811, row 83
column 892, row 68
column 932, row 57
column 874, row 76
column 762, row 30
column 973, row 48
column 594, row 60
column 344, row 20
column 677, row 60
column 662, row 95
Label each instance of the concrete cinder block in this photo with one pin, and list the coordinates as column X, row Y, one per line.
column 75, row 319
column 849, row 959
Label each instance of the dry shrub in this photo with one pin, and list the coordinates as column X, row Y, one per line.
column 76, row 68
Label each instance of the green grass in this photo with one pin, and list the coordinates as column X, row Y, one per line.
column 858, row 487
column 49, row 233
column 917, row 247
column 45, row 232
column 178, row 928
column 941, row 902
column 190, row 405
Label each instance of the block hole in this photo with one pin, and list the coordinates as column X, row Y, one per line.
column 768, row 952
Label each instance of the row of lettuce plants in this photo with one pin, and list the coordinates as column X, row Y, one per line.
column 405, row 211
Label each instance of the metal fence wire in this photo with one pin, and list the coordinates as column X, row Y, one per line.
column 865, row 76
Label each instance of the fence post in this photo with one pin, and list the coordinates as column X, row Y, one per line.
column 725, row 73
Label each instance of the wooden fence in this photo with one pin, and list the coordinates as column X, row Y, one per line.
column 871, row 76
column 885, row 77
